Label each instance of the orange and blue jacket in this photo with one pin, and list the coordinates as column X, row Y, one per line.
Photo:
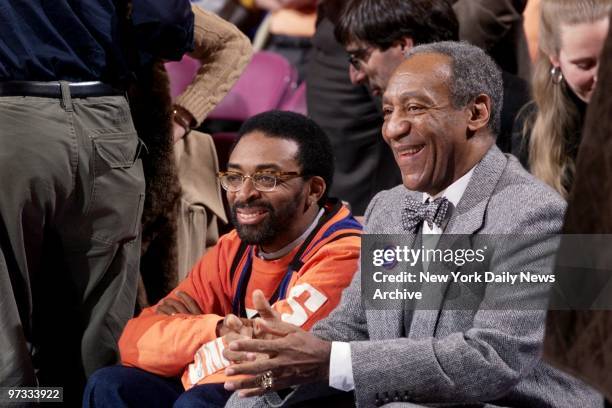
column 305, row 284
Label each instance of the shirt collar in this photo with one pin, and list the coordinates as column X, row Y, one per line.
column 454, row 192
column 289, row 247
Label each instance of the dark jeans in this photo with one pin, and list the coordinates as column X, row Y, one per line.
column 120, row 386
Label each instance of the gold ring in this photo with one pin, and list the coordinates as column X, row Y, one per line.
column 266, row 381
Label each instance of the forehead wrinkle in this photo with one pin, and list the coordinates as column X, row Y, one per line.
column 441, row 67
column 421, row 93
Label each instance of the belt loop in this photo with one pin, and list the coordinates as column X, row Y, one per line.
column 66, row 98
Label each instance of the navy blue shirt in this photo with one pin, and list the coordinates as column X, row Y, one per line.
column 87, row 40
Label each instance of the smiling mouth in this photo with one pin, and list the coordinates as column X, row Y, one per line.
column 251, row 215
column 410, row 151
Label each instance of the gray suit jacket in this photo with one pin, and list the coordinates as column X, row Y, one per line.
column 475, row 357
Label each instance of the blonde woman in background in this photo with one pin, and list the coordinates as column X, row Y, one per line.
column 572, row 35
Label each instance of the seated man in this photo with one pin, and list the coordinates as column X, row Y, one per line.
column 439, row 108
column 377, row 33
column 291, row 242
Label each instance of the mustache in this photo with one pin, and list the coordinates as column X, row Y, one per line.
column 258, row 203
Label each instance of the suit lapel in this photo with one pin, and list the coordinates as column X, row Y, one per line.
column 466, row 219
column 389, row 324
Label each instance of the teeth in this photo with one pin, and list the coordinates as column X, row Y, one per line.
column 250, row 211
column 249, row 214
column 412, row 150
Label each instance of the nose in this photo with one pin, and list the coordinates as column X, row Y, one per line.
column 248, row 192
column 357, row 75
column 395, row 127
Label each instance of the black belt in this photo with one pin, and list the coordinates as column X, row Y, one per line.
column 53, row 89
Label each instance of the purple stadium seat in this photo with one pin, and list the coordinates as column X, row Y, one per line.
column 296, row 102
column 266, row 83
column 181, row 74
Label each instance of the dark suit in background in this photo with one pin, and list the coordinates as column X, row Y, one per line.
column 497, row 27
column 350, row 116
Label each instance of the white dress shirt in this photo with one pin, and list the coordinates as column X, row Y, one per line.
column 340, row 363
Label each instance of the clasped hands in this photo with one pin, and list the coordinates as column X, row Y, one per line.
column 263, row 346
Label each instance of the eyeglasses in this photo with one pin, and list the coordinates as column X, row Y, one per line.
column 359, row 57
column 262, row 181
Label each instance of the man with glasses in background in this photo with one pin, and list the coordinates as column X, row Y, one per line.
column 291, row 242
column 378, row 33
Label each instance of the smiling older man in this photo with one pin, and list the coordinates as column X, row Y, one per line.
column 439, row 108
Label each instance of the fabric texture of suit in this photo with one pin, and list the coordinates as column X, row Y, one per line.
column 483, row 358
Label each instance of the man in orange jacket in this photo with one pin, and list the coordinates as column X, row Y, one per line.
column 291, row 242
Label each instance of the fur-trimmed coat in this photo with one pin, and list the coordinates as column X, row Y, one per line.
column 151, row 107
column 224, row 53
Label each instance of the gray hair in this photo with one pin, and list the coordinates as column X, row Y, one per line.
column 474, row 73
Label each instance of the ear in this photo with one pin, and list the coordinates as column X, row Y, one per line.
column 317, row 187
column 554, row 60
column 406, row 44
column 479, row 113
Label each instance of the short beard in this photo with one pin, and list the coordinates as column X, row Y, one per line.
column 269, row 229
column 256, row 234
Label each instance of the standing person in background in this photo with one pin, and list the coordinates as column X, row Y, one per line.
column 288, row 29
column 572, row 35
column 73, row 180
column 350, row 116
column 496, row 26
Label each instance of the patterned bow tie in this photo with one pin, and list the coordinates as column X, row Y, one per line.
column 415, row 212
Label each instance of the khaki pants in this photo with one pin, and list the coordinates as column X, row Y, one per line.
column 71, row 196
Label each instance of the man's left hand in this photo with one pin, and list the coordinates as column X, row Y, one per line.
column 184, row 304
column 297, row 358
